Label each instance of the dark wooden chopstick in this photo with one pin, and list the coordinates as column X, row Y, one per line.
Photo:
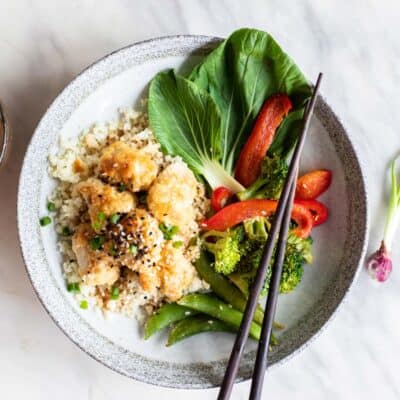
column 272, row 298
column 243, row 332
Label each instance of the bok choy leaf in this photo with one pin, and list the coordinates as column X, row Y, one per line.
column 240, row 74
column 187, row 123
column 207, row 118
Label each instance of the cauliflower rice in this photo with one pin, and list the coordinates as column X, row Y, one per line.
column 77, row 161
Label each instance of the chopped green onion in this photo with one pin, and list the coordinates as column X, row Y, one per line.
column 121, row 187
column 133, row 249
column 168, row 230
column 51, row 206
column 97, row 242
column 114, row 293
column 112, row 250
column 101, row 216
column 66, row 231
column 45, row 221
column 177, row 244
column 379, row 264
column 114, row 218
column 84, row 305
column 73, row 287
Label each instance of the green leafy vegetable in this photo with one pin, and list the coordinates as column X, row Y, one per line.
column 207, row 118
column 187, row 123
column 240, row 74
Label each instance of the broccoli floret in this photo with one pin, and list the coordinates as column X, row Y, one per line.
column 270, row 182
column 226, row 248
column 298, row 252
column 247, row 267
column 257, row 228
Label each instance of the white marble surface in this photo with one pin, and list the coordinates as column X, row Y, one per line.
column 43, row 44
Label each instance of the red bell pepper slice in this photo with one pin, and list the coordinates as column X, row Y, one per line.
column 318, row 210
column 313, row 184
column 236, row 213
column 220, row 197
column 271, row 115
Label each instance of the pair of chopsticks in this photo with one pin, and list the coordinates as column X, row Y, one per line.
column 279, row 225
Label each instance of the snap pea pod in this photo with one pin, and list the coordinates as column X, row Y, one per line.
column 194, row 325
column 213, row 306
column 223, row 288
column 165, row 316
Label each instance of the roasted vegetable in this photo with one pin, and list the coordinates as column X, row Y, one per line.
column 223, row 288
column 210, row 304
column 318, row 210
column 235, row 213
column 270, row 181
column 220, row 197
column 274, row 110
column 166, row 315
column 225, row 247
column 194, row 325
column 298, row 252
column 313, row 184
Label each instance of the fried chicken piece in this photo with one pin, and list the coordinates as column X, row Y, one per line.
column 121, row 163
column 171, row 197
column 176, row 273
column 103, row 201
column 142, row 232
column 95, row 266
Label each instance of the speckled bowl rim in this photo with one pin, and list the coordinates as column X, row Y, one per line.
column 162, row 373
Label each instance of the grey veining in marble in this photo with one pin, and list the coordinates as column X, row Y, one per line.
column 355, row 42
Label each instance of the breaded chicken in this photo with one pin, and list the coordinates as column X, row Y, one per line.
column 95, row 266
column 103, row 201
column 141, row 230
column 121, row 163
column 171, row 197
column 176, row 272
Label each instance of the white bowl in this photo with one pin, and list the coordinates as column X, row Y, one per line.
column 121, row 79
